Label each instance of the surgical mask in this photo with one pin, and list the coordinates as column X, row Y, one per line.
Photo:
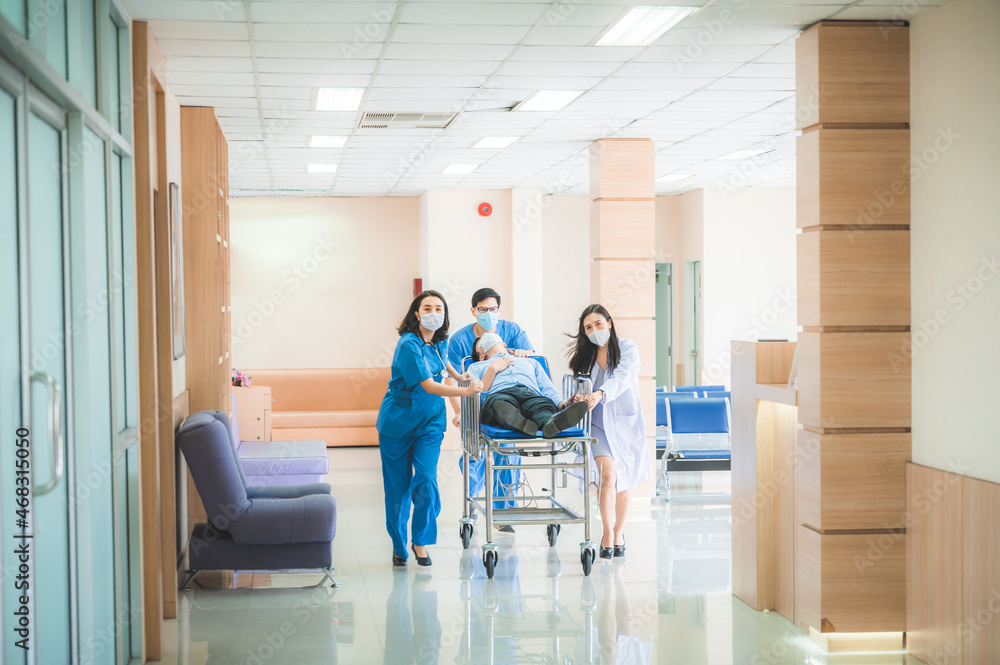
column 600, row 336
column 432, row 320
column 488, row 320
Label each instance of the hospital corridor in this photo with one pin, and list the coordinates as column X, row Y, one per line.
column 499, row 332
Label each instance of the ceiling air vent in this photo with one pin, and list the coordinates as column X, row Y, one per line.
column 406, row 120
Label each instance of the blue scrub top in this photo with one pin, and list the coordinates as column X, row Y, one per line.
column 460, row 344
column 407, row 409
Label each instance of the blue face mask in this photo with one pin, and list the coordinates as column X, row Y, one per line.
column 488, row 320
column 432, row 321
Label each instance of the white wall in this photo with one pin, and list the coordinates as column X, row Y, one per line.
column 955, row 237
column 566, row 276
column 321, row 282
column 748, row 272
column 465, row 251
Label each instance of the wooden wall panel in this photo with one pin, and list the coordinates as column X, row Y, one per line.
column 643, row 333
column 850, row 583
column 854, row 177
column 854, row 278
column 623, row 229
column 852, row 72
column 934, row 565
column 626, row 288
column 622, row 169
column 865, row 380
column 784, row 433
column 744, row 471
column 980, row 572
column 851, row 481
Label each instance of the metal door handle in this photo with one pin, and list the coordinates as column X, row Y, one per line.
column 55, row 429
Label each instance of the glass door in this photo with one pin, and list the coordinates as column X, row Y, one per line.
column 664, row 324
column 46, row 355
column 10, row 355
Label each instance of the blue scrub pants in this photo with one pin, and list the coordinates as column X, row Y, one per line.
column 409, row 477
column 508, row 477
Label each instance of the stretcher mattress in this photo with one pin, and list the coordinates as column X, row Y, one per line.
column 500, row 433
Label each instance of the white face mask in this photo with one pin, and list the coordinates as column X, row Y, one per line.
column 432, row 320
column 600, row 336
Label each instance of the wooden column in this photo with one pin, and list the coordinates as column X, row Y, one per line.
column 852, row 94
column 144, row 125
column 205, row 195
column 622, row 248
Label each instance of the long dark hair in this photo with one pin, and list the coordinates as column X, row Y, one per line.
column 411, row 322
column 583, row 352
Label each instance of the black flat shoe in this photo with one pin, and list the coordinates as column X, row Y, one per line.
column 421, row 560
column 506, row 528
column 564, row 419
column 398, row 561
column 512, row 419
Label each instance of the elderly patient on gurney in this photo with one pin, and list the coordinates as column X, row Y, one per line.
column 517, row 393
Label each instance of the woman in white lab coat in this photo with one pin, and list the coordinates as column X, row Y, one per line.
column 620, row 454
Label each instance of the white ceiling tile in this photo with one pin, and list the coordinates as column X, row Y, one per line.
column 563, row 35
column 191, row 29
column 315, row 80
column 526, row 68
column 447, row 52
column 438, row 67
column 322, row 12
column 210, row 78
column 209, row 65
column 459, row 34
column 498, row 13
column 576, row 53
column 173, row 48
column 213, row 90
column 186, row 10
column 321, row 40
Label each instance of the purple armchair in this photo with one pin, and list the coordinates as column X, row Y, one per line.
column 275, row 528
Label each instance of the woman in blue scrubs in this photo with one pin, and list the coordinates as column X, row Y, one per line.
column 411, row 424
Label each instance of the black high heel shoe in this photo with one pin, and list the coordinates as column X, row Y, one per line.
column 421, row 560
column 398, row 561
column 605, row 552
column 620, row 549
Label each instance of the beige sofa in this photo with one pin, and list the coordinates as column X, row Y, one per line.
column 338, row 406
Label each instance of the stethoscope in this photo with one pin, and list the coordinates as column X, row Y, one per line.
column 444, row 365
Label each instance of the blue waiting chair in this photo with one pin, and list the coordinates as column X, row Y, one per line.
column 699, row 390
column 696, row 436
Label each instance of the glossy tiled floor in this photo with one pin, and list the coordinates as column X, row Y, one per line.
column 667, row 602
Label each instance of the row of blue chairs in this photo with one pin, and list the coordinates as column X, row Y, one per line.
column 693, row 431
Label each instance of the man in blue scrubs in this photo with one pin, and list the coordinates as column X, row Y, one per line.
column 486, row 310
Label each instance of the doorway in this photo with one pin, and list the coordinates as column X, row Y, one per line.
column 664, row 324
column 692, row 317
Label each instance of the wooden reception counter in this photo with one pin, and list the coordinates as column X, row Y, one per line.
column 763, row 466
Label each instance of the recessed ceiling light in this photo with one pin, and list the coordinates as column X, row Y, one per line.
column 674, row 177
column 494, row 142
column 548, row 100
column 745, row 154
column 643, row 25
column 320, row 141
column 338, row 99
column 322, row 168
column 459, row 169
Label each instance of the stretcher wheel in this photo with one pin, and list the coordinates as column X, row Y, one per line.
column 587, row 559
column 465, row 531
column 552, row 531
column 490, row 561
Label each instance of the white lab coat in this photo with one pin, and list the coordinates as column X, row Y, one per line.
column 623, row 421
